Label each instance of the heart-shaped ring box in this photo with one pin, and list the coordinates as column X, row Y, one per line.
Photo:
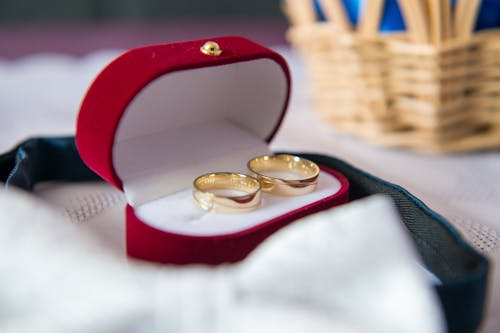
column 159, row 116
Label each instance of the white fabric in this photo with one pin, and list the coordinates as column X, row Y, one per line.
column 316, row 274
column 40, row 95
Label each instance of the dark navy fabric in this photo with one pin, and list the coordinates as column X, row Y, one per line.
column 462, row 270
column 43, row 159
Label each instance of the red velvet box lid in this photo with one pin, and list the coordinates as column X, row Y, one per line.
column 123, row 79
column 159, row 116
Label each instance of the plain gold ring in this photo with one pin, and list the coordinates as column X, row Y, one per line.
column 285, row 175
column 227, row 192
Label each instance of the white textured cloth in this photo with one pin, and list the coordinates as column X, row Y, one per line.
column 40, row 95
column 315, row 275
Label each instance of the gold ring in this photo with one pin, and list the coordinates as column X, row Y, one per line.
column 297, row 176
column 227, row 192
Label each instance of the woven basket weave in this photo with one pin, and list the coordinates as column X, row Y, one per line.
column 394, row 91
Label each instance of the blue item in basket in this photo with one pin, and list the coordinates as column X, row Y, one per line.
column 392, row 19
column 352, row 9
column 489, row 15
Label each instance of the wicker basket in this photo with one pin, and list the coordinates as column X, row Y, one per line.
column 428, row 89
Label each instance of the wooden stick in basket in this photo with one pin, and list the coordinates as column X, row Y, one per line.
column 334, row 10
column 299, row 12
column 465, row 18
column 415, row 19
column 370, row 21
column 435, row 8
column 446, row 19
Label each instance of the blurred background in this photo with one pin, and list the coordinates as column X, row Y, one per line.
column 81, row 26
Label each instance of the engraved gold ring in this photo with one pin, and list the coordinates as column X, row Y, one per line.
column 227, row 192
column 285, row 175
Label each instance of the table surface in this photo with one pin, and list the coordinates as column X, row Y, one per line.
column 40, row 95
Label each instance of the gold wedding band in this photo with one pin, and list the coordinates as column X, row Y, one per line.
column 285, row 175
column 227, row 192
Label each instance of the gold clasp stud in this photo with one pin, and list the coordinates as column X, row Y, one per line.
column 211, row 48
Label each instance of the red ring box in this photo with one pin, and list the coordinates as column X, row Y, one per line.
column 159, row 116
